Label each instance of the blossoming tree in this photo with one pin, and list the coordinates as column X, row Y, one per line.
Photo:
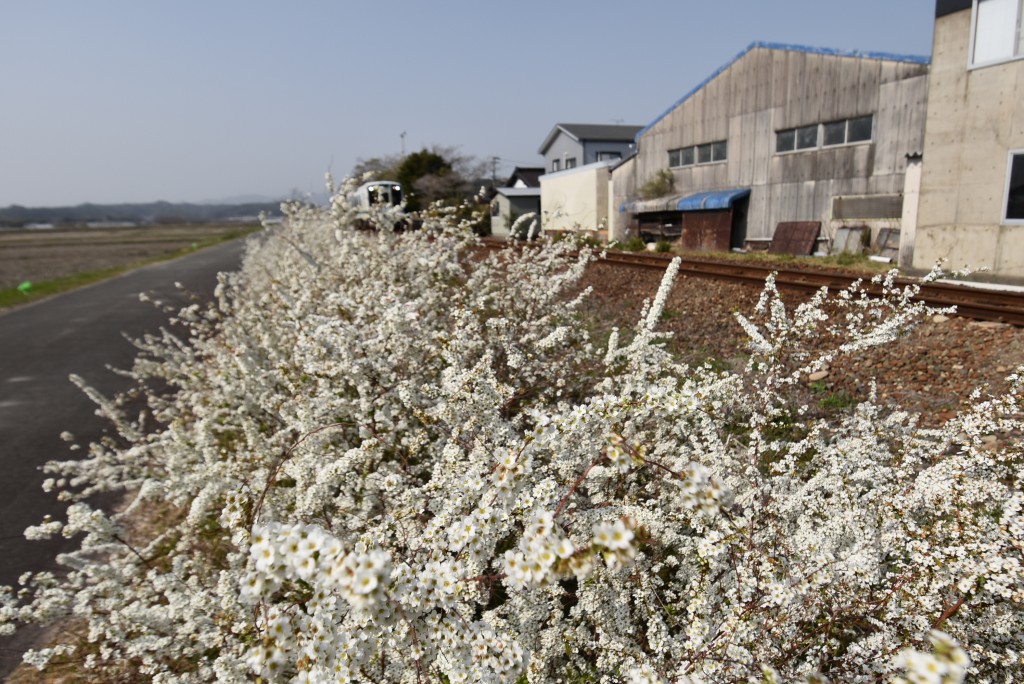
column 389, row 457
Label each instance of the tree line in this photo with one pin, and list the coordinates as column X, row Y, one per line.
column 16, row 216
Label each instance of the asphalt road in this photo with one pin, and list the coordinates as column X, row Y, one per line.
column 41, row 344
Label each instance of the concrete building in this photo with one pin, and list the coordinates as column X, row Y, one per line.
column 971, row 209
column 781, row 133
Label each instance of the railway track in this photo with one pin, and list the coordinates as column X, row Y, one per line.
column 982, row 304
column 971, row 302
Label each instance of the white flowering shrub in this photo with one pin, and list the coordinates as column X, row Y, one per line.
column 391, row 457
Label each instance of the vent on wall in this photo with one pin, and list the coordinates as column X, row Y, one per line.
column 867, row 207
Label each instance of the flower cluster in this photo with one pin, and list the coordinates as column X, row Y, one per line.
column 386, row 456
column 946, row 664
column 542, row 550
column 308, row 554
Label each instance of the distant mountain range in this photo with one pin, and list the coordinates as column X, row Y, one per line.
column 153, row 212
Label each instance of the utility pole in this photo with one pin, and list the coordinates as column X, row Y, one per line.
column 402, row 136
column 494, row 171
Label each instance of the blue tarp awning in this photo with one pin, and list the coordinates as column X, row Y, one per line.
column 715, row 199
column 700, row 201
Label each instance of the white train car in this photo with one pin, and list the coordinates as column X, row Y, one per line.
column 375, row 197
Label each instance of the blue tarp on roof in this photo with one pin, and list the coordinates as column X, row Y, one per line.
column 715, row 199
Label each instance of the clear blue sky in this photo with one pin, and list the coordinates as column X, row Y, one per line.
column 193, row 100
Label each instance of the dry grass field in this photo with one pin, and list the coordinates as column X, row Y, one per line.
column 73, row 257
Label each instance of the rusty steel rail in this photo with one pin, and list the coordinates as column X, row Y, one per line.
column 971, row 302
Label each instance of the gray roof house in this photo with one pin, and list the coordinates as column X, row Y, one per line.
column 520, row 195
column 570, row 145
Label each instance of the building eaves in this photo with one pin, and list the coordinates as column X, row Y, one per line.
column 606, row 164
column 944, row 7
column 518, row 192
column 629, row 157
column 529, row 175
column 859, row 54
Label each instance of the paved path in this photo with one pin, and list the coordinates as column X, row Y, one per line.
column 41, row 344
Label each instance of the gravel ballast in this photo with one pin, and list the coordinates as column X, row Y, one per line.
column 930, row 371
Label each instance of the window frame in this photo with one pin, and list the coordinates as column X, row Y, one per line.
column 1003, row 218
column 1018, row 39
column 789, row 133
column 825, row 128
column 722, row 145
column 871, row 129
column 689, row 155
column 570, row 163
column 821, row 128
column 800, row 130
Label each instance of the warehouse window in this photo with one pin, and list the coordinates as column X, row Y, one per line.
column 859, row 129
column 832, row 134
column 1014, row 208
column 803, row 138
column 807, row 137
column 848, row 131
column 997, row 31
column 785, row 141
column 707, row 153
column 835, row 133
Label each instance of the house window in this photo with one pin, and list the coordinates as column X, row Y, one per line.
column 556, row 165
column 997, row 31
column 698, row 154
column 570, row 163
column 1014, row 210
column 495, row 208
column 608, row 156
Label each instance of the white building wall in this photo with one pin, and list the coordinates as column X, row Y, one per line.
column 621, row 192
column 576, row 199
column 975, row 117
